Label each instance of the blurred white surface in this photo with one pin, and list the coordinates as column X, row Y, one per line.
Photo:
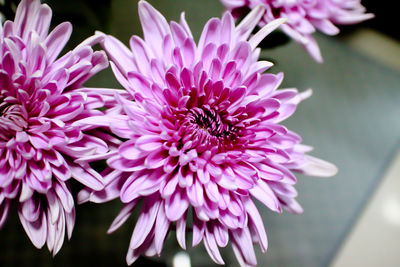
column 181, row 259
column 375, row 239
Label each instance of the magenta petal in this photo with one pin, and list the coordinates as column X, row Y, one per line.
column 154, row 25
column 155, row 160
column 258, row 224
column 145, row 184
column 131, row 257
column 263, row 193
column 129, row 151
column 57, row 39
column 65, row 197
column 87, row 177
column 212, row 248
column 31, row 210
column 148, row 143
column 161, row 229
column 39, row 141
column 195, row 194
column 4, row 211
column 176, row 206
column 243, row 239
column 141, row 53
column 51, row 233
column 170, row 186
column 221, row 235
column 70, row 222
column 318, row 167
column 54, row 208
column 144, row 224
column 119, row 54
column 325, row 26
column 36, row 231
column 123, row 215
column 181, row 231
column 247, row 25
column 59, row 234
column 198, row 231
column 178, row 33
column 210, row 33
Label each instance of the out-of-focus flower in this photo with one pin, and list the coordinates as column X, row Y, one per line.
column 202, row 136
column 306, row 16
column 40, row 98
column 1, row 14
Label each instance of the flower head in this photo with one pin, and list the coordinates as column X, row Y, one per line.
column 40, row 98
column 306, row 16
column 202, row 133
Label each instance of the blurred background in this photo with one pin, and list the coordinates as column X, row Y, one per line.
column 352, row 120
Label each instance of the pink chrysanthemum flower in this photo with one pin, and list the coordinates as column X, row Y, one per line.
column 202, row 136
column 306, row 16
column 40, row 98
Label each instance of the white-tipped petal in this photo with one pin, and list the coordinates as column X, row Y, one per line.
column 267, row 29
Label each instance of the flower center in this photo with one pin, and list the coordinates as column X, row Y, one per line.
column 208, row 120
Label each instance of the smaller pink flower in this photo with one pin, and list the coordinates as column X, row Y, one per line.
column 306, row 16
column 40, row 99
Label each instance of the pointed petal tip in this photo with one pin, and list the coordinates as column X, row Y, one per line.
column 319, row 59
column 144, row 4
column 267, row 29
column 304, row 95
column 369, row 16
column 247, row 25
column 130, row 257
column 259, row 8
column 83, row 196
column 318, row 167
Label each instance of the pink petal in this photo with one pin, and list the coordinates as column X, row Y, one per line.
column 244, row 242
column 87, row 176
column 198, row 231
column 161, row 229
column 176, row 206
column 154, row 25
column 148, row 143
column 210, row 33
column 128, row 150
column 64, row 195
column 145, row 223
column 123, row 215
column 56, row 40
column 4, row 211
column 263, row 193
column 318, row 167
column 256, row 220
column 212, row 248
column 119, row 54
column 180, row 231
column 256, row 39
column 36, row 231
column 221, row 235
column 246, row 26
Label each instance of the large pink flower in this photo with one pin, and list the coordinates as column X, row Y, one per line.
column 40, row 98
column 202, row 137
column 306, row 16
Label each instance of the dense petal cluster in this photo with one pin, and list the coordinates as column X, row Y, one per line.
column 40, row 98
column 201, row 138
column 306, row 16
